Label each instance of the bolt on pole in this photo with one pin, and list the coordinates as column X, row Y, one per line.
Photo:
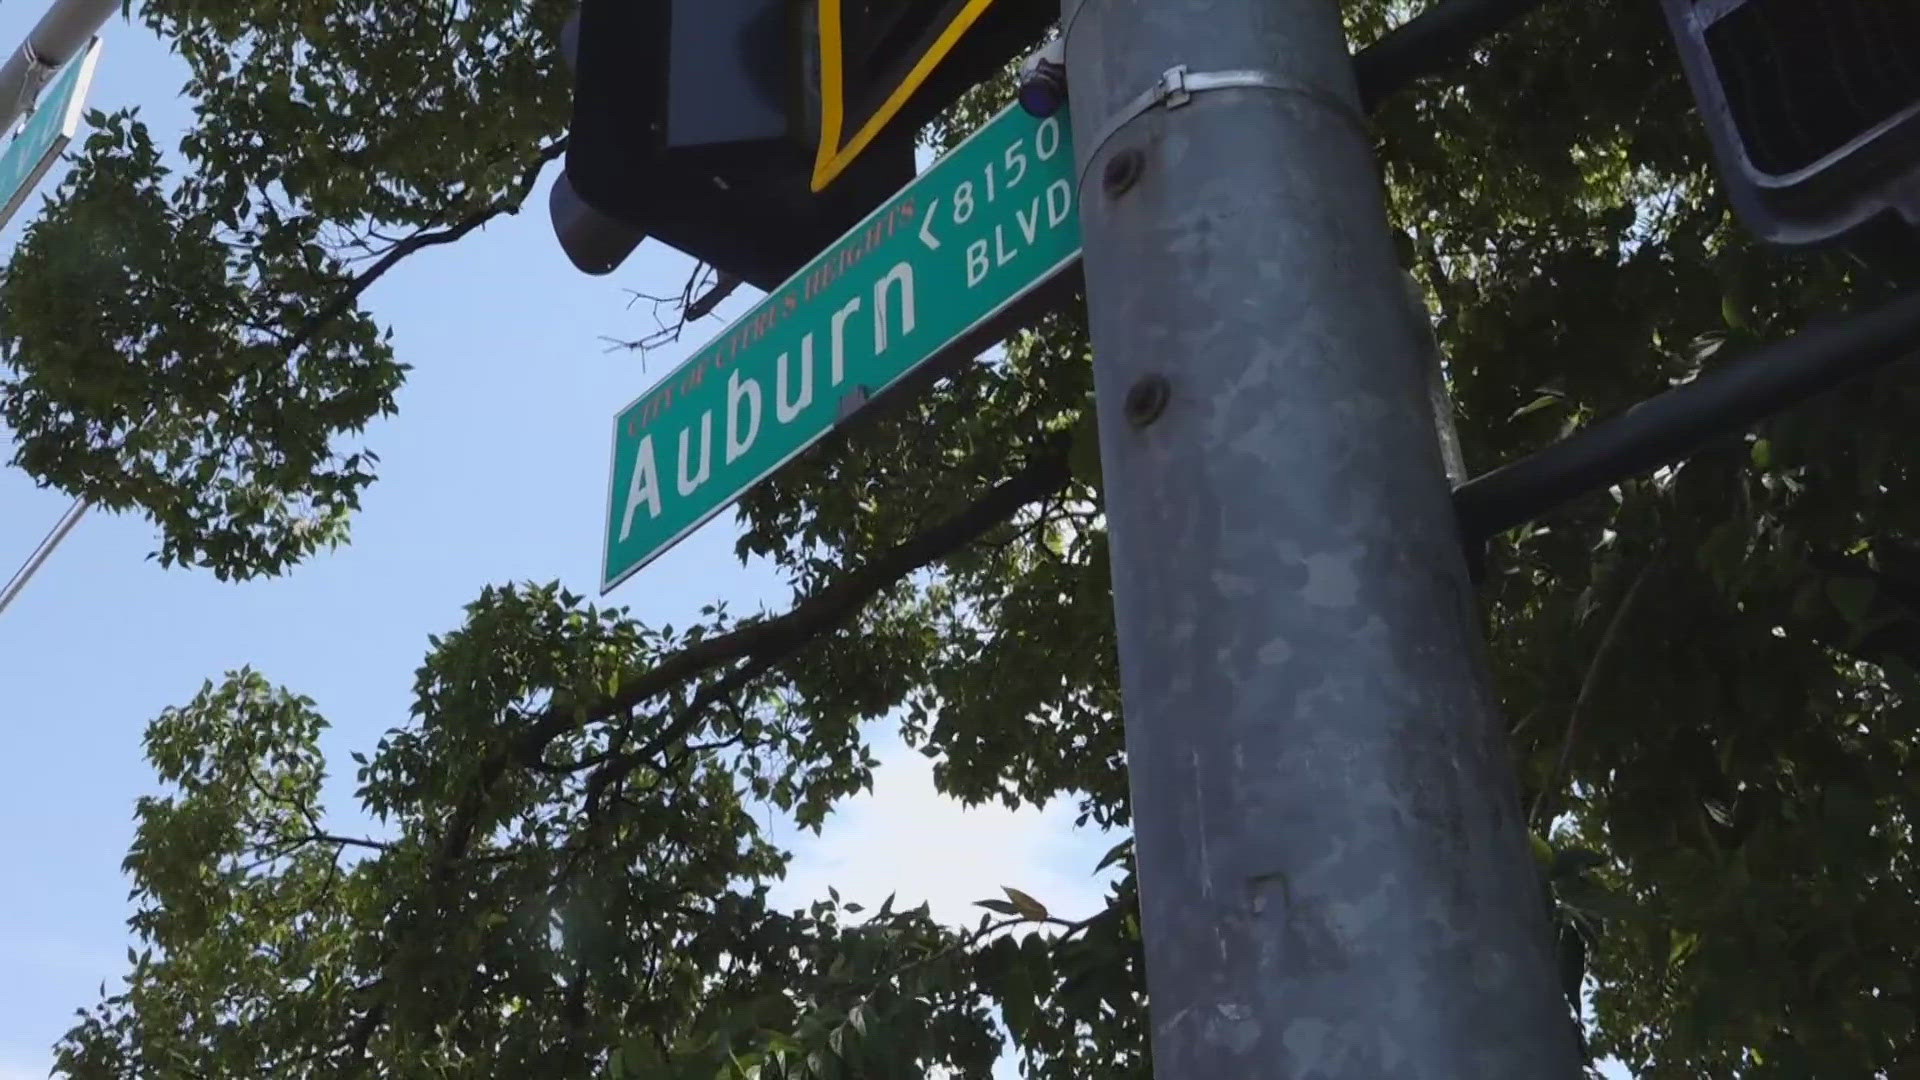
column 1335, row 880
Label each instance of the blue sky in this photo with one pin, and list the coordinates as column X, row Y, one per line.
column 493, row 471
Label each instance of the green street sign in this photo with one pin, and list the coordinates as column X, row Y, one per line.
column 47, row 131
column 923, row 277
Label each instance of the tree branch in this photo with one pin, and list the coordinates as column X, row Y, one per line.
column 1609, row 643
column 765, row 644
column 347, row 841
column 362, row 1032
column 761, row 645
column 424, row 239
column 703, row 305
column 692, row 309
column 768, row 642
column 775, row 639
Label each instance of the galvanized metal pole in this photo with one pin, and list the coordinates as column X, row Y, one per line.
column 18, row 582
column 57, row 38
column 1334, row 874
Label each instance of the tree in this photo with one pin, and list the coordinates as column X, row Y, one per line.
column 1709, row 673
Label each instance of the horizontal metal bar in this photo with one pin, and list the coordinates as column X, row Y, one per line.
column 1728, row 397
column 1429, row 43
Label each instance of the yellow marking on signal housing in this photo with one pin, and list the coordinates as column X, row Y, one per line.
column 831, row 158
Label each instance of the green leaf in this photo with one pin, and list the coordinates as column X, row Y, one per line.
column 1903, row 678
column 1682, row 946
column 1114, row 854
column 640, row 1058
column 1084, row 455
column 1571, row 861
column 1590, row 898
column 1027, row 906
column 1851, row 597
column 1732, row 310
column 1534, row 406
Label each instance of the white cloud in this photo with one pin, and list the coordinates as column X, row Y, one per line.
column 907, row 838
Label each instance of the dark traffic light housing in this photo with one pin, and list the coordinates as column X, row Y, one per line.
column 687, row 127
column 700, row 122
column 1813, row 108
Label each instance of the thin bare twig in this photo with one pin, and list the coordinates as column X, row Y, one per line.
column 425, row 238
column 712, row 287
column 1609, row 643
